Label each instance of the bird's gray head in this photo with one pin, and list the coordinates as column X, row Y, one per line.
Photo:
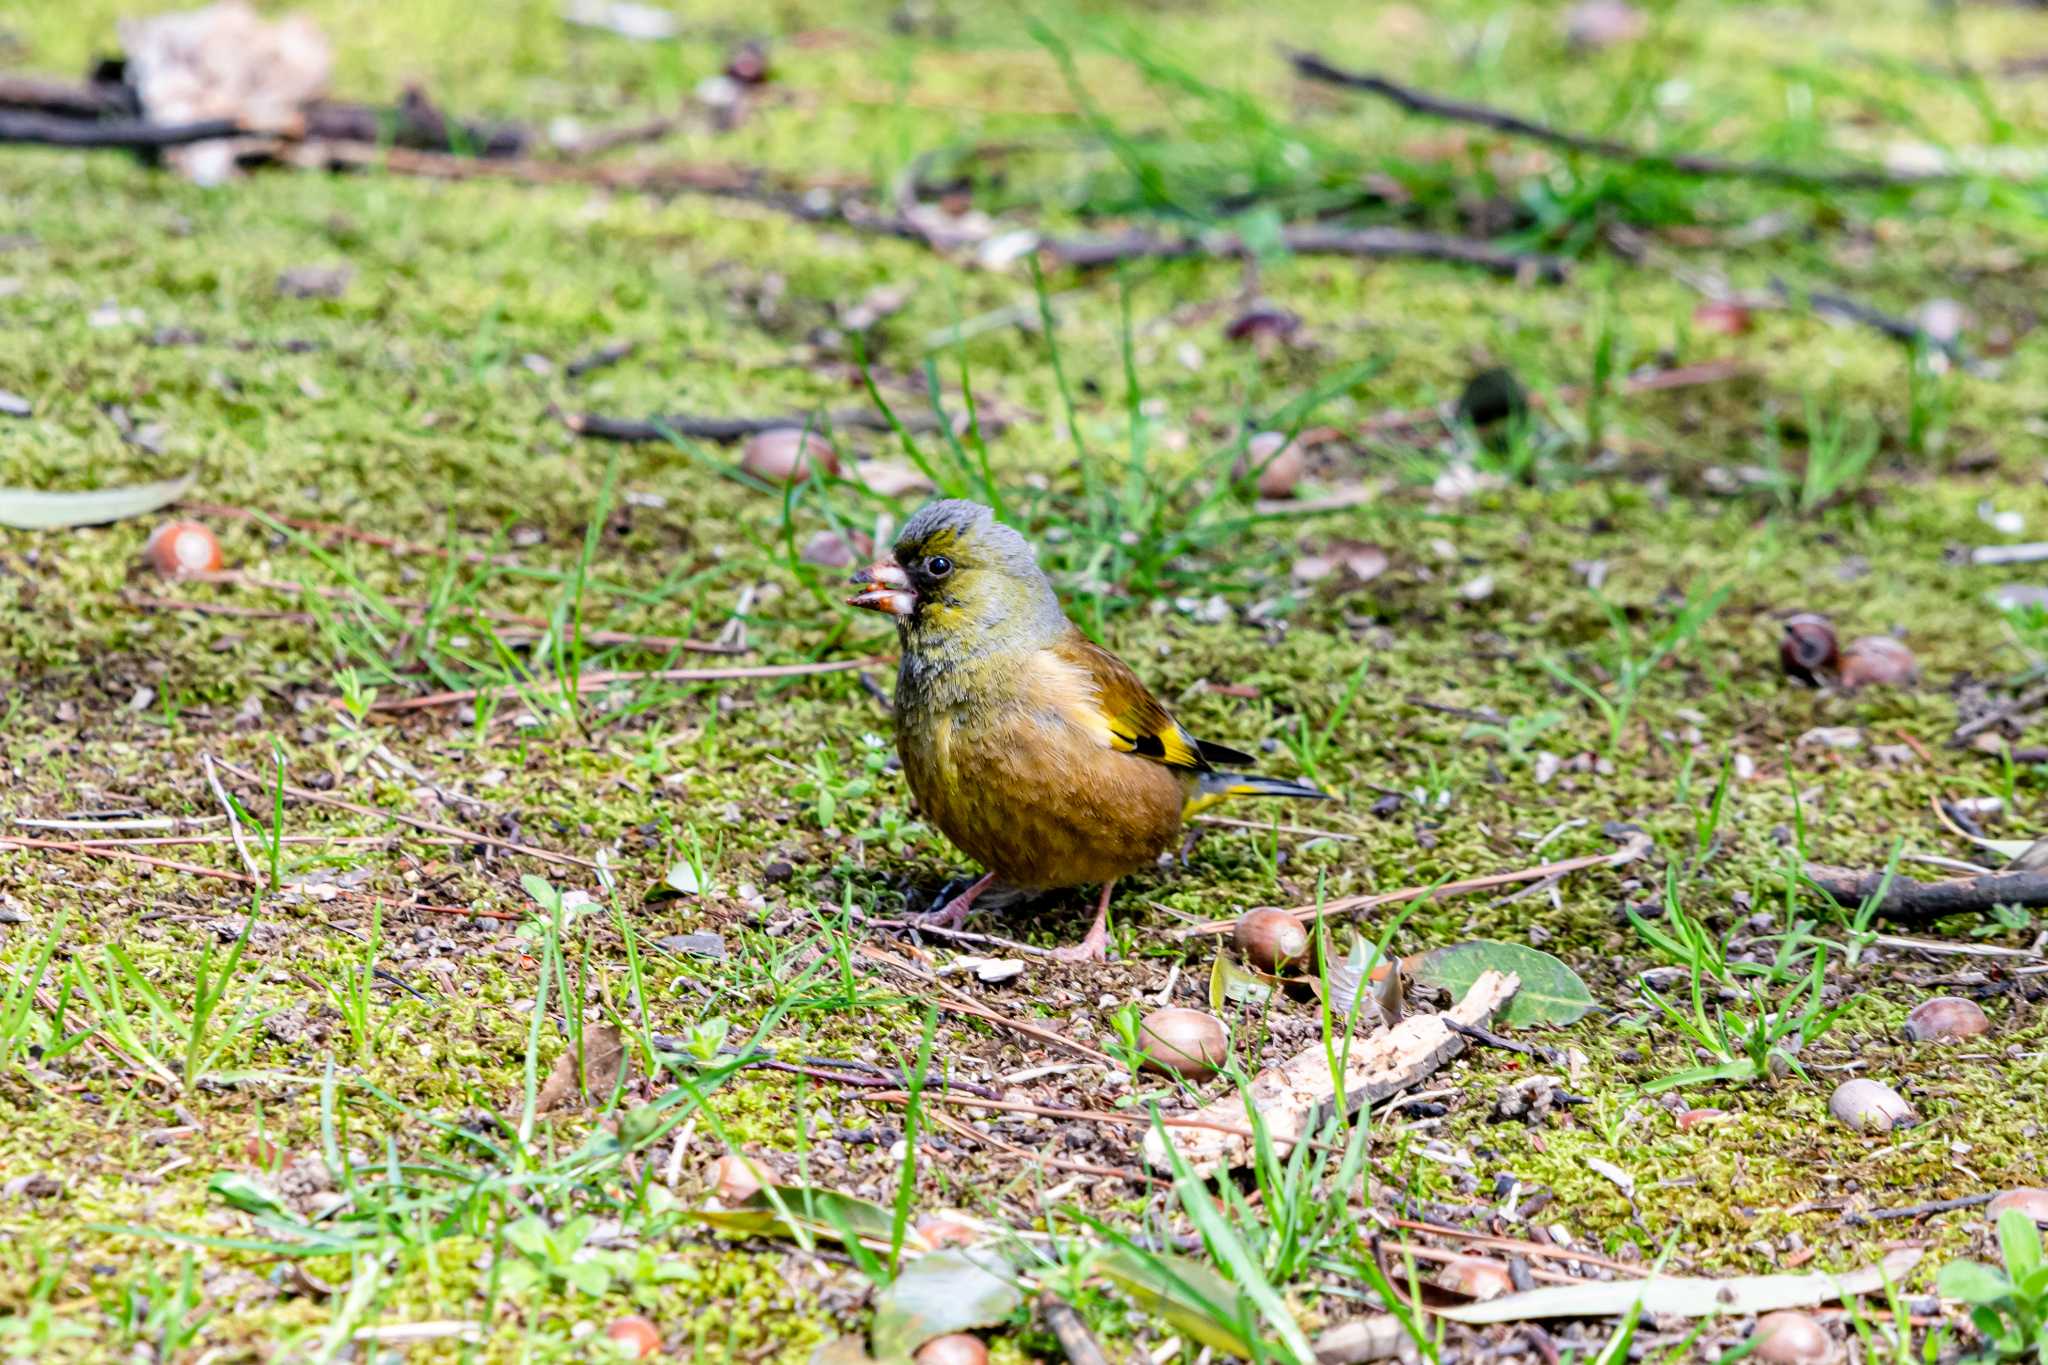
column 962, row 581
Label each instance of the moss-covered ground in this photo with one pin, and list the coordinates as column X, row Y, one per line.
column 378, row 1063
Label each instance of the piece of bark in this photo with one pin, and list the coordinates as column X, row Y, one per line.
column 604, row 1056
column 1294, row 1097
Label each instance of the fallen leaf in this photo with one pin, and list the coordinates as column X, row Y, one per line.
column 945, row 1291
column 30, row 509
column 1180, row 1292
column 1688, row 1297
column 1551, row 992
column 1230, row 983
column 891, row 478
column 782, row 1210
column 604, row 1058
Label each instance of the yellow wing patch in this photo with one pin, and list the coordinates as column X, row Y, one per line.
column 1100, row 693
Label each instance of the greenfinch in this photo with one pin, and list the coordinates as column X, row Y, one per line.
column 1036, row 751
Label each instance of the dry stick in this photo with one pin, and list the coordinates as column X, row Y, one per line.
column 1533, row 1249
column 1070, row 1331
column 592, row 682
column 1311, row 240
column 738, row 182
column 1968, row 1201
column 228, row 809
column 49, row 130
column 219, row 874
column 1101, row 1116
column 729, row 429
column 335, row 531
column 958, row 1003
column 1684, row 163
column 525, row 627
column 1057, row 1163
column 1909, row 901
column 1353, row 904
column 2007, row 710
column 431, row 826
column 1654, row 381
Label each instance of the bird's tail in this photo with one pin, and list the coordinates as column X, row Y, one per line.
column 1217, row 787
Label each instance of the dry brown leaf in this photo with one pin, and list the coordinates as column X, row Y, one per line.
column 604, row 1057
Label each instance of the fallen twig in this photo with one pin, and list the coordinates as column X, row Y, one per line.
column 729, row 429
column 474, row 837
column 1351, row 905
column 1906, row 900
column 52, row 130
column 2010, row 709
column 1846, row 309
column 1684, row 163
column 1402, row 420
column 1311, row 240
column 1479, row 1033
column 227, row 808
column 107, row 850
column 523, row 628
column 1070, row 1331
column 1968, row 1201
column 592, row 682
column 334, row 531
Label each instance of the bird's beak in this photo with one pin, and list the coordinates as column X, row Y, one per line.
column 886, row 589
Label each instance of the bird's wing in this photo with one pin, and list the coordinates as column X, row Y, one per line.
column 1136, row 722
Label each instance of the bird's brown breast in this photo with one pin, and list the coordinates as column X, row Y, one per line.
column 1026, row 787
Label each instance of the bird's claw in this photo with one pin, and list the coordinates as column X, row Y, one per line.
column 1093, row 948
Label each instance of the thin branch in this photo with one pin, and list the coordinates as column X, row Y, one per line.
column 234, row 821
column 726, row 430
column 1908, row 901
column 51, row 130
column 1352, row 905
column 431, row 826
column 1070, row 1331
column 1968, row 1201
column 102, row 849
column 1430, row 105
column 1312, row 240
column 593, row 682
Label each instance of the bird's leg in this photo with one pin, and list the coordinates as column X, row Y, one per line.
column 1092, row 947
column 954, row 912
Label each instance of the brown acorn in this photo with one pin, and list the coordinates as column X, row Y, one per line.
column 1270, row 940
column 1476, row 1277
column 1808, row 649
column 1945, row 1019
column 733, row 1179
column 1183, row 1042
column 638, row 1337
column 1878, row 661
column 180, row 549
column 955, row 1348
column 1870, row 1107
column 1791, row 1338
column 1279, row 462
column 788, row 454
column 2031, row 1202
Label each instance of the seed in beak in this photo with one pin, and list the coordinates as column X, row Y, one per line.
column 886, row 588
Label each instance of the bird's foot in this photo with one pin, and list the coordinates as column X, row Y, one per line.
column 1093, row 948
column 953, row 913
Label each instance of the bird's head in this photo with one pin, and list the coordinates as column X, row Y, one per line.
column 956, row 574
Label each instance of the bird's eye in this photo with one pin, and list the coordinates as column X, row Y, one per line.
column 938, row 566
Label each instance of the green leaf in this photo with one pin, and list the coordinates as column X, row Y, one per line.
column 30, row 509
column 248, row 1195
column 1971, row 1282
column 2020, row 1241
column 818, row 1213
column 946, row 1291
column 1186, row 1295
column 1231, row 984
column 1551, row 993
column 1740, row 1070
